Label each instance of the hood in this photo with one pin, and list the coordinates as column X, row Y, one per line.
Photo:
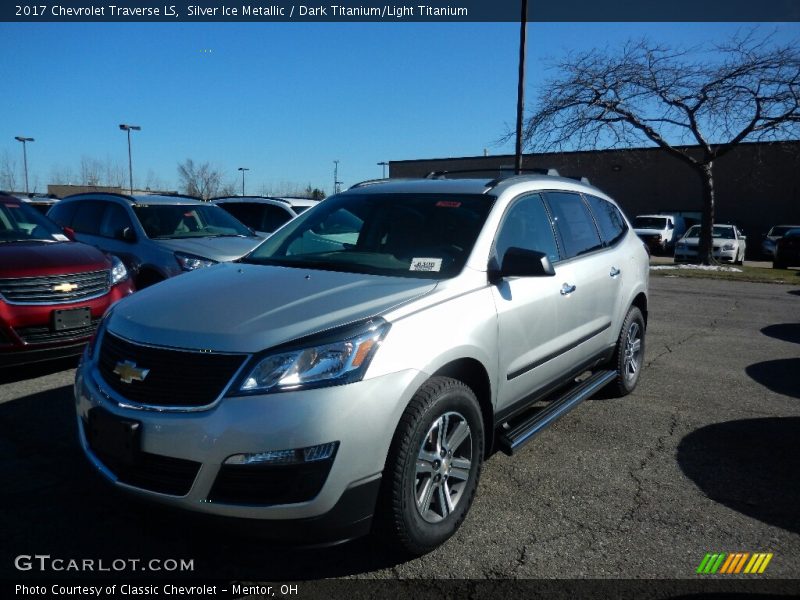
column 648, row 231
column 717, row 242
column 36, row 259
column 249, row 308
column 220, row 249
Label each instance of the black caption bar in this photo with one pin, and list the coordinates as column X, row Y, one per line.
column 411, row 589
column 404, row 10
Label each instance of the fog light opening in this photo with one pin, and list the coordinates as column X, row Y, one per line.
column 285, row 457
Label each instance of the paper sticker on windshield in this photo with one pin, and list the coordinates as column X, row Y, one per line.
column 430, row 265
column 448, row 204
column 60, row 237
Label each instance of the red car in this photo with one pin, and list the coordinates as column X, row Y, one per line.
column 53, row 291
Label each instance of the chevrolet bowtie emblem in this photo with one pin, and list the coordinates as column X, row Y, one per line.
column 65, row 287
column 128, row 372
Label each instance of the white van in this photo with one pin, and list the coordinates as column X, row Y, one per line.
column 659, row 232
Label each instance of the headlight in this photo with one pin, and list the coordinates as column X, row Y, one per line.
column 118, row 271
column 325, row 363
column 728, row 247
column 189, row 262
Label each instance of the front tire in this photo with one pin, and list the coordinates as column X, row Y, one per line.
column 433, row 466
column 629, row 354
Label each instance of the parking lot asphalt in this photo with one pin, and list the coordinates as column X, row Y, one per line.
column 703, row 457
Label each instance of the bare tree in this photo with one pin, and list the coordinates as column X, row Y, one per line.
column 203, row 180
column 60, row 174
column 711, row 97
column 90, row 170
column 8, row 172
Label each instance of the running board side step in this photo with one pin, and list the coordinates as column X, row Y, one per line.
column 524, row 428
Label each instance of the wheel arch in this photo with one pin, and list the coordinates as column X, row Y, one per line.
column 640, row 302
column 472, row 373
column 148, row 273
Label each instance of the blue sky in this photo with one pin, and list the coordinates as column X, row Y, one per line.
column 284, row 100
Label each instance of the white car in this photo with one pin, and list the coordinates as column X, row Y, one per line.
column 729, row 244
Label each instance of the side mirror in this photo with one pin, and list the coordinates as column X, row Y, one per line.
column 519, row 262
column 126, row 234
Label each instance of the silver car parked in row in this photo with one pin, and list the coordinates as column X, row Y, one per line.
column 356, row 369
column 155, row 236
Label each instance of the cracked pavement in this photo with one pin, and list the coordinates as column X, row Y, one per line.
column 703, row 457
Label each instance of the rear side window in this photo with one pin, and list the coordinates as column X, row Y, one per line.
column 274, row 217
column 87, row 217
column 611, row 223
column 527, row 226
column 574, row 223
column 248, row 213
column 62, row 213
column 115, row 221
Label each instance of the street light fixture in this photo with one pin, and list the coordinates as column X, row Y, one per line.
column 130, row 128
column 383, row 164
column 24, row 141
column 336, row 183
column 243, row 169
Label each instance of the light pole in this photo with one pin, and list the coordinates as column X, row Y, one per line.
column 243, row 169
column 130, row 128
column 24, row 141
column 523, row 46
column 336, row 182
column 383, row 164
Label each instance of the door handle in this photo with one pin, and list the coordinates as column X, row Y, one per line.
column 614, row 272
column 567, row 289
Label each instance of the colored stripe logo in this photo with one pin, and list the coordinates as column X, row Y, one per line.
column 734, row 563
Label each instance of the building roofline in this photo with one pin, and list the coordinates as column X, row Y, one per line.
column 574, row 152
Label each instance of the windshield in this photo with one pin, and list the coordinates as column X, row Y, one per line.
column 649, row 223
column 780, row 231
column 405, row 235
column 717, row 232
column 21, row 223
column 175, row 221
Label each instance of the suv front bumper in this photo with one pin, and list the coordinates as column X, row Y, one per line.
column 180, row 457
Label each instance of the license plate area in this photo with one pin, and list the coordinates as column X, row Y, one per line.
column 71, row 318
column 112, row 437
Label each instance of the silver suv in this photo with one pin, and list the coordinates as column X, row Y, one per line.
column 365, row 359
column 264, row 214
column 155, row 236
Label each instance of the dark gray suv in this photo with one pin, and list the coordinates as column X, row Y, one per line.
column 155, row 236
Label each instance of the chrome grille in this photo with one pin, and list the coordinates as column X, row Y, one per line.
column 55, row 289
column 176, row 378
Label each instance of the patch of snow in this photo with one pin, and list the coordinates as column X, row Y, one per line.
column 695, row 268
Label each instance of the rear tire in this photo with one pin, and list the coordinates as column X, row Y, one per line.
column 628, row 354
column 433, row 466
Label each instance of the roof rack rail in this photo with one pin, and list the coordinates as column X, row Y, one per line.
column 505, row 172
column 367, row 182
column 171, row 195
column 580, row 178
